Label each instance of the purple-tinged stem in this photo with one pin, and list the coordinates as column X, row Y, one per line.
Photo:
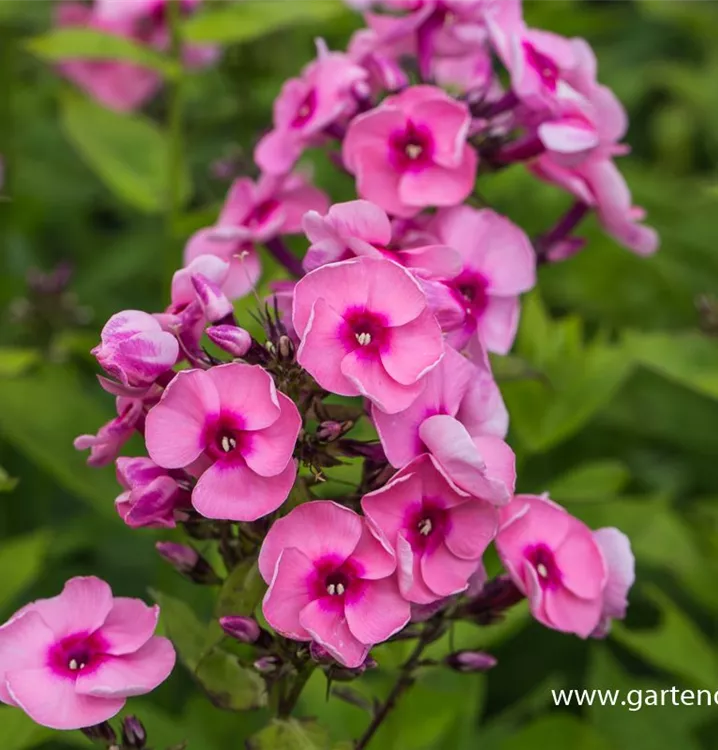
column 561, row 230
column 522, row 150
column 508, row 101
column 281, row 253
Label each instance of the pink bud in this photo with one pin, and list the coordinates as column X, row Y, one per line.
column 214, row 303
column 232, row 339
column 188, row 562
column 243, row 629
column 471, row 661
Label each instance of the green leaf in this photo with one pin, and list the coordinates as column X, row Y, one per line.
column 229, row 685
column 14, row 360
column 91, row 44
column 290, row 734
column 689, row 358
column 127, row 152
column 21, row 560
column 593, row 481
column 7, row 483
column 183, row 628
column 41, row 414
column 559, row 731
column 242, row 590
column 676, row 645
column 19, row 731
column 251, row 19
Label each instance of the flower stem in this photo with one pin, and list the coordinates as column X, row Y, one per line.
column 174, row 141
column 431, row 632
column 281, row 253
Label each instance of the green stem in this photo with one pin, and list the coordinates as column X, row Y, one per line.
column 288, row 703
column 175, row 144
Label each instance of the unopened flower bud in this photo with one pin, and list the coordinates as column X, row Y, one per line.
column 133, row 733
column 212, row 299
column 471, row 661
column 188, row 562
column 285, row 349
column 266, row 664
column 319, row 654
column 232, row 339
column 101, row 732
column 331, row 430
column 243, row 629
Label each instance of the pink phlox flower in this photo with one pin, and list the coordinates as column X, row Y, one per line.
column 616, row 549
column 253, row 213
column 411, row 151
column 361, row 228
column 325, row 94
column 557, row 562
column 134, row 348
column 498, row 264
column 331, row 581
column 366, row 329
column 231, row 427
column 151, row 496
column 438, row 533
column 72, row 661
column 458, row 388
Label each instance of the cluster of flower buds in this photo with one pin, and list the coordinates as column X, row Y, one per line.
column 397, row 302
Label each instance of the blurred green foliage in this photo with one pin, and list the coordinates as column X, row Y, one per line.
column 612, row 388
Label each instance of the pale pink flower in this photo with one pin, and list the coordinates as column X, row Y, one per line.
column 151, row 497
column 306, row 106
column 253, row 213
column 230, row 426
column 412, row 152
column 599, row 184
column 330, row 581
column 72, row 661
column 438, row 532
column 499, row 264
column 555, row 560
column 385, row 73
column 135, row 349
column 616, row 549
column 458, row 388
column 366, row 329
column 359, row 228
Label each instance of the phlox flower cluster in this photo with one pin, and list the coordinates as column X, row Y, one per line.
column 386, row 321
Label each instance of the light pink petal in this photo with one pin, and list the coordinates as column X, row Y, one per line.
column 616, row 549
column 393, row 291
column 134, row 673
column 24, row 642
column 379, row 182
column 500, row 462
column 579, row 558
column 342, row 285
column 271, row 448
column 455, row 451
column 409, row 576
column 373, row 381
column 289, row 593
column 497, row 326
column 83, row 605
column 231, row 491
column 370, row 131
column 53, row 702
column 444, row 573
column 432, row 261
column 444, row 304
column 130, row 624
column 278, row 151
column 297, row 201
column 247, row 391
column 528, row 582
column 328, row 626
column 569, row 613
column 440, row 186
column 399, row 433
column 386, row 508
column 412, row 350
column 322, row 350
column 318, row 529
column 449, row 120
column 245, row 268
column 568, row 136
column 378, row 613
column 482, row 410
column 472, row 527
column 363, row 220
column 373, row 556
column 174, row 428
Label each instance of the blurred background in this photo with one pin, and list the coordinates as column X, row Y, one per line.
column 612, row 389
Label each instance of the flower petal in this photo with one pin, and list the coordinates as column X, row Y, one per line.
column 328, row 626
column 130, row 624
column 247, row 391
column 378, row 612
column 289, row 593
column 472, row 526
column 83, row 605
column 444, row 573
column 413, row 349
column 271, row 448
column 24, row 642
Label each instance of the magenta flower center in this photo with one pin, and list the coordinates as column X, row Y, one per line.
column 305, row 110
column 470, row 290
column 542, row 560
column 261, row 213
column 80, row 653
column 336, row 579
column 425, row 525
column 226, row 437
column 411, row 149
column 364, row 330
column 546, row 68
